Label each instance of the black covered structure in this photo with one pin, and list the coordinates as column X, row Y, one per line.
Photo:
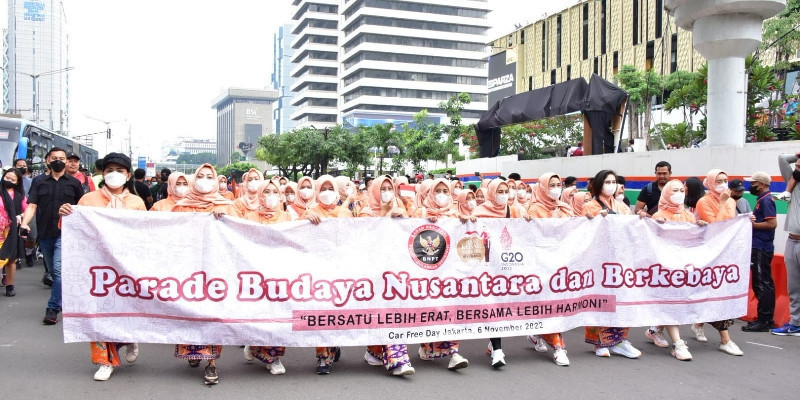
column 599, row 101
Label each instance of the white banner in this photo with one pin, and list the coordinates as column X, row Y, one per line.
column 148, row 277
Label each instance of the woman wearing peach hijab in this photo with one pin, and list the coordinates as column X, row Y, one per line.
column 115, row 192
column 496, row 206
column 566, row 197
column 671, row 208
column 438, row 204
column 607, row 340
column 422, row 192
column 407, row 197
column 517, row 209
column 178, row 186
column 717, row 205
column 288, row 193
column 548, row 205
column 223, row 188
column 248, row 192
column 456, row 187
column 204, row 197
column 383, row 203
column 578, row 200
column 480, row 195
column 524, row 195
column 303, row 201
column 347, row 192
column 466, row 203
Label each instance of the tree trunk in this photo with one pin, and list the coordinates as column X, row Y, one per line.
column 648, row 115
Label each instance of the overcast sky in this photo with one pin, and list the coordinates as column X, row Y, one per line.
column 159, row 64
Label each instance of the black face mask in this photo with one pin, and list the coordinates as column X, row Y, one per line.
column 57, row 166
column 796, row 175
column 8, row 184
column 23, row 170
column 754, row 190
column 164, row 177
column 735, row 196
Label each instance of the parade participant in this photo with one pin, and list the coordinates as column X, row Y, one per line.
column 517, row 209
column 223, row 188
column 496, row 206
column 12, row 246
column 717, row 205
column 288, row 193
column 466, row 203
column 177, row 188
column 248, row 193
column 115, row 192
column 304, row 199
column 694, row 192
column 204, row 197
column 607, row 340
column 383, row 203
column 578, row 200
column 480, row 195
column 567, row 195
column 456, row 187
column 407, row 197
column 347, row 192
column 422, row 191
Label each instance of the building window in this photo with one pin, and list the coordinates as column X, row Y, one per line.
column 659, row 17
column 596, row 69
column 569, row 72
column 511, row 40
column 585, row 30
column 648, row 63
column 522, row 36
column 530, row 83
column 635, row 22
column 558, row 41
column 673, row 54
column 603, row 27
column 544, row 46
column 616, row 62
column 553, row 77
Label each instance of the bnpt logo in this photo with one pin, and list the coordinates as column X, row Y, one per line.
column 429, row 246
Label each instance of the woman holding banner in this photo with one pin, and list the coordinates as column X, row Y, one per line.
column 115, row 192
column 177, row 188
column 223, row 188
column 438, row 204
column 383, row 203
column 12, row 246
column 517, row 209
column 204, row 197
column 717, row 205
column 248, row 192
column 547, row 205
column 303, row 201
column 466, row 203
column 607, row 340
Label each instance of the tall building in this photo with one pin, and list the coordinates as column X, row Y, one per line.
column 590, row 37
column 282, row 80
column 399, row 57
column 35, row 63
column 316, row 48
column 243, row 116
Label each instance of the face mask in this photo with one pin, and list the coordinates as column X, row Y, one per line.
column 512, row 193
column 721, row 187
column 253, row 185
column 502, row 199
column 114, row 179
column 609, row 189
column 554, row 193
column 677, row 197
column 328, row 197
column 796, row 175
column 349, row 192
column 204, row 185
column 23, row 170
column 272, row 201
column 753, row 190
column 457, row 191
column 291, row 198
column 387, row 196
column 472, row 204
column 181, row 191
column 222, row 186
column 164, row 177
column 8, row 184
column 57, row 166
column 442, row 200
column 620, row 197
column 306, row 194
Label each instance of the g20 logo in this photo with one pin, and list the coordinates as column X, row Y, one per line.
column 511, row 257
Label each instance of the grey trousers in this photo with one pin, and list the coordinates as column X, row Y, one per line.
column 792, row 258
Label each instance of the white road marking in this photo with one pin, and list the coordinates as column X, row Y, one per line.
column 766, row 345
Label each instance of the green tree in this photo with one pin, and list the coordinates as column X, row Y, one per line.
column 290, row 152
column 761, row 84
column 422, row 141
column 237, row 156
column 641, row 86
column 453, row 108
column 199, row 158
column 236, row 169
column 781, row 32
column 383, row 136
column 355, row 152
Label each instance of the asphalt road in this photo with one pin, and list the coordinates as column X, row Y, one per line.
column 35, row 363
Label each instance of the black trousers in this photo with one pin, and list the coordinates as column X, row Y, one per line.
column 763, row 285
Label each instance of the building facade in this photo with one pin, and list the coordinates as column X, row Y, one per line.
column 282, row 80
column 598, row 36
column 35, row 63
column 243, row 116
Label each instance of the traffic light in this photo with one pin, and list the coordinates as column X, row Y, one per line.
column 108, row 133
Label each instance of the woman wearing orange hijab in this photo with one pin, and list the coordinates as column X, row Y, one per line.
column 566, row 197
column 223, row 188
column 347, row 192
column 303, row 201
column 204, row 197
column 177, row 188
column 480, row 195
column 383, row 203
column 516, row 208
column 248, row 192
column 548, row 205
column 115, row 192
column 607, row 340
column 717, row 205
column 578, row 200
column 497, row 206
column 456, row 187
column 466, row 203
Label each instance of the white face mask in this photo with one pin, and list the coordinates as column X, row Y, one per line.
column 253, row 185
column 349, row 191
column 205, row 185
column 512, row 193
column 328, row 197
column 457, row 191
column 472, row 204
column 222, row 186
column 306, row 193
column 272, row 201
column 721, row 187
column 290, row 198
column 620, row 197
column 181, row 191
column 115, row 179
column 387, row 196
column 442, row 200
column 609, row 189
column 502, row 199
column 554, row 193
column 678, row 197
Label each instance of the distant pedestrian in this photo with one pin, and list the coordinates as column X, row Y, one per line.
column 789, row 165
column 141, row 189
column 737, row 193
column 12, row 246
column 647, row 202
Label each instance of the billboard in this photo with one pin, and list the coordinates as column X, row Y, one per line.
column 502, row 75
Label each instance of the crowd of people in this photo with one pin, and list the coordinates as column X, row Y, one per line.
column 49, row 197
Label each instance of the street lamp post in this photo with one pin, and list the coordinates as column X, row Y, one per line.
column 108, row 128
column 35, row 78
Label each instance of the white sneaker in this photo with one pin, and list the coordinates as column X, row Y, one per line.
column 681, row 351
column 538, row 343
column 423, row 355
column 248, row 354
column 103, row 373
column 371, row 360
column 730, row 348
column 601, row 351
column 625, row 349
column 560, row 357
column 276, row 367
column 657, row 336
column 699, row 334
column 131, row 352
column 457, row 362
column 498, row 358
column 406, row 369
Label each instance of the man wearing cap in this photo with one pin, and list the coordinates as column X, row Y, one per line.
column 737, row 192
column 764, row 220
column 48, row 195
column 73, row 169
